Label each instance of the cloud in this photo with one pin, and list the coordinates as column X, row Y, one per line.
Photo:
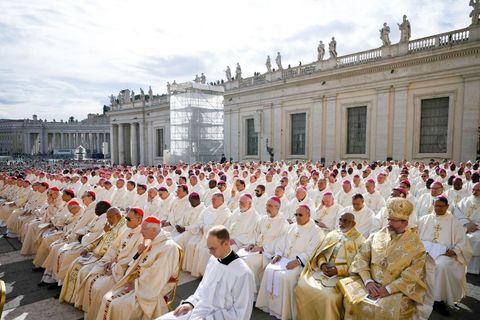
column 62, row 58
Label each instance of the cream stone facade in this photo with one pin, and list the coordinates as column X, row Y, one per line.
column 415, row 100
column 41, row 137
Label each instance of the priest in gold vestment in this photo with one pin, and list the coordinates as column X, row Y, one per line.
column 390, row 264
column 92, row 253
column 316, row 293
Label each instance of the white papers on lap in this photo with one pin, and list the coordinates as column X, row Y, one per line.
column 272, row 273
column 243, row 253
column 434, row 249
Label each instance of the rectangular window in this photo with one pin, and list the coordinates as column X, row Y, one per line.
column 357, row 130
column 434, row 125
column 160, row 142
column 299, row 125
column 252, row 138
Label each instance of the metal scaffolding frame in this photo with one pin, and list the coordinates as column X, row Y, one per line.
column 196, row 123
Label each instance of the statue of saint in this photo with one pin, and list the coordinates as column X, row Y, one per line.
column 112, row 100
column 321, row 51
column 278, row 61
column 268, row 64
column 142, row 95
column 168, row 87
column 475, row 13
column 150, row 93
column 238, row 72
column 385, row 35
column 203, row 79
column 228, row 74
column 132, row 96
column 197, row 79
column 332, row 48
column 405, row 29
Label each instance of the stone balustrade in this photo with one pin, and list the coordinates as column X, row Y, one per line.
column 423, row 44
column 439, row 40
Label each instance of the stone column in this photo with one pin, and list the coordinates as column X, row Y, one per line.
column 470, row 119
column 141, row 132
column 98, row 141
column 400, row 123
column 315, row 138
column 330, row 132
column 121, row 146
column 382, row 122
column 62, row 142
column 133, row 144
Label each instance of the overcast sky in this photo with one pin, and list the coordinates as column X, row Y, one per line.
column 65, row 57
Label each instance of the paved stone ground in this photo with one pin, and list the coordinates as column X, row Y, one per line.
column 25, row 300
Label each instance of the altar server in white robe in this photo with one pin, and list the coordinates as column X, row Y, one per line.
column 449, row 252
column 327, row 213
column 276, row 295
column 227, row 288
column 365, row 219
column 269, row 229
column 149, row 278
column 468, row 213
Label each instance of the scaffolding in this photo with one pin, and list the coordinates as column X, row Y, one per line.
column 196, row 122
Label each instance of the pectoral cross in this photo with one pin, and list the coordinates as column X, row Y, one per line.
column 436, row 232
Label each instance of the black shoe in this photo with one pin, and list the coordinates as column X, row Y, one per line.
column 37, row 269
column 441, row 307
column 53, row 286
column 43, row 284
column 56, row 296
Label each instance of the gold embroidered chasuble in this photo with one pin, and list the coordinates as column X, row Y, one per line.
column 395, row 261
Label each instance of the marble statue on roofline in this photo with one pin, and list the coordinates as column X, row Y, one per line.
column 332, row 48
column 150, row 93
column 197, row 79
column 385, row 35
column 238, row 72
column 132, row 96
column 278, row 61
column 228, row 74
column 142, row 95
column 112, row 100
column 405, row 30
column 168, row 87
column 203, row 79
column 268, row 64
column 475, row 13
column 320, row 51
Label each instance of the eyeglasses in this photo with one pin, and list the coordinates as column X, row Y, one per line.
column 128, row 219
column 298, row 214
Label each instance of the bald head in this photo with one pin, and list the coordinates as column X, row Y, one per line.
column 346, row 221
column 113, row 216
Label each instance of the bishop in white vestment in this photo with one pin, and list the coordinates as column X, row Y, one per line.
column 276, row 294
